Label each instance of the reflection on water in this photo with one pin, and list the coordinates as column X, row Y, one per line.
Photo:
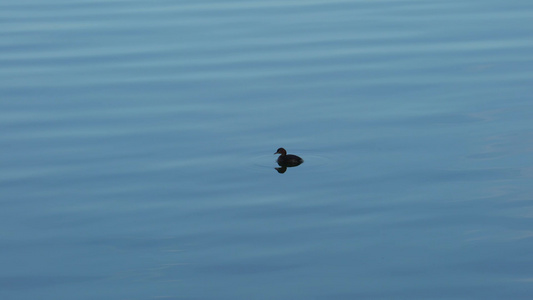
column 281, row 169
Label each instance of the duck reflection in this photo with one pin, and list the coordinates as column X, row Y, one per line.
column 287, row 160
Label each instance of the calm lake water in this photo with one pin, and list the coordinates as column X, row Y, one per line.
column 137, row 141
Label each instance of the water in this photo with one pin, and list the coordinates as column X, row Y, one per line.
column 137, row 139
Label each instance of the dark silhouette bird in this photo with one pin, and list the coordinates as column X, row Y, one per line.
column 288, row 160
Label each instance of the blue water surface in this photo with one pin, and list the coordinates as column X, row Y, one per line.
column 137, row 141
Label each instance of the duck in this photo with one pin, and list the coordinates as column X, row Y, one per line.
column 288, row 160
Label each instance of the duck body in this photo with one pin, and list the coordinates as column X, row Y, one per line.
column 288, row 160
